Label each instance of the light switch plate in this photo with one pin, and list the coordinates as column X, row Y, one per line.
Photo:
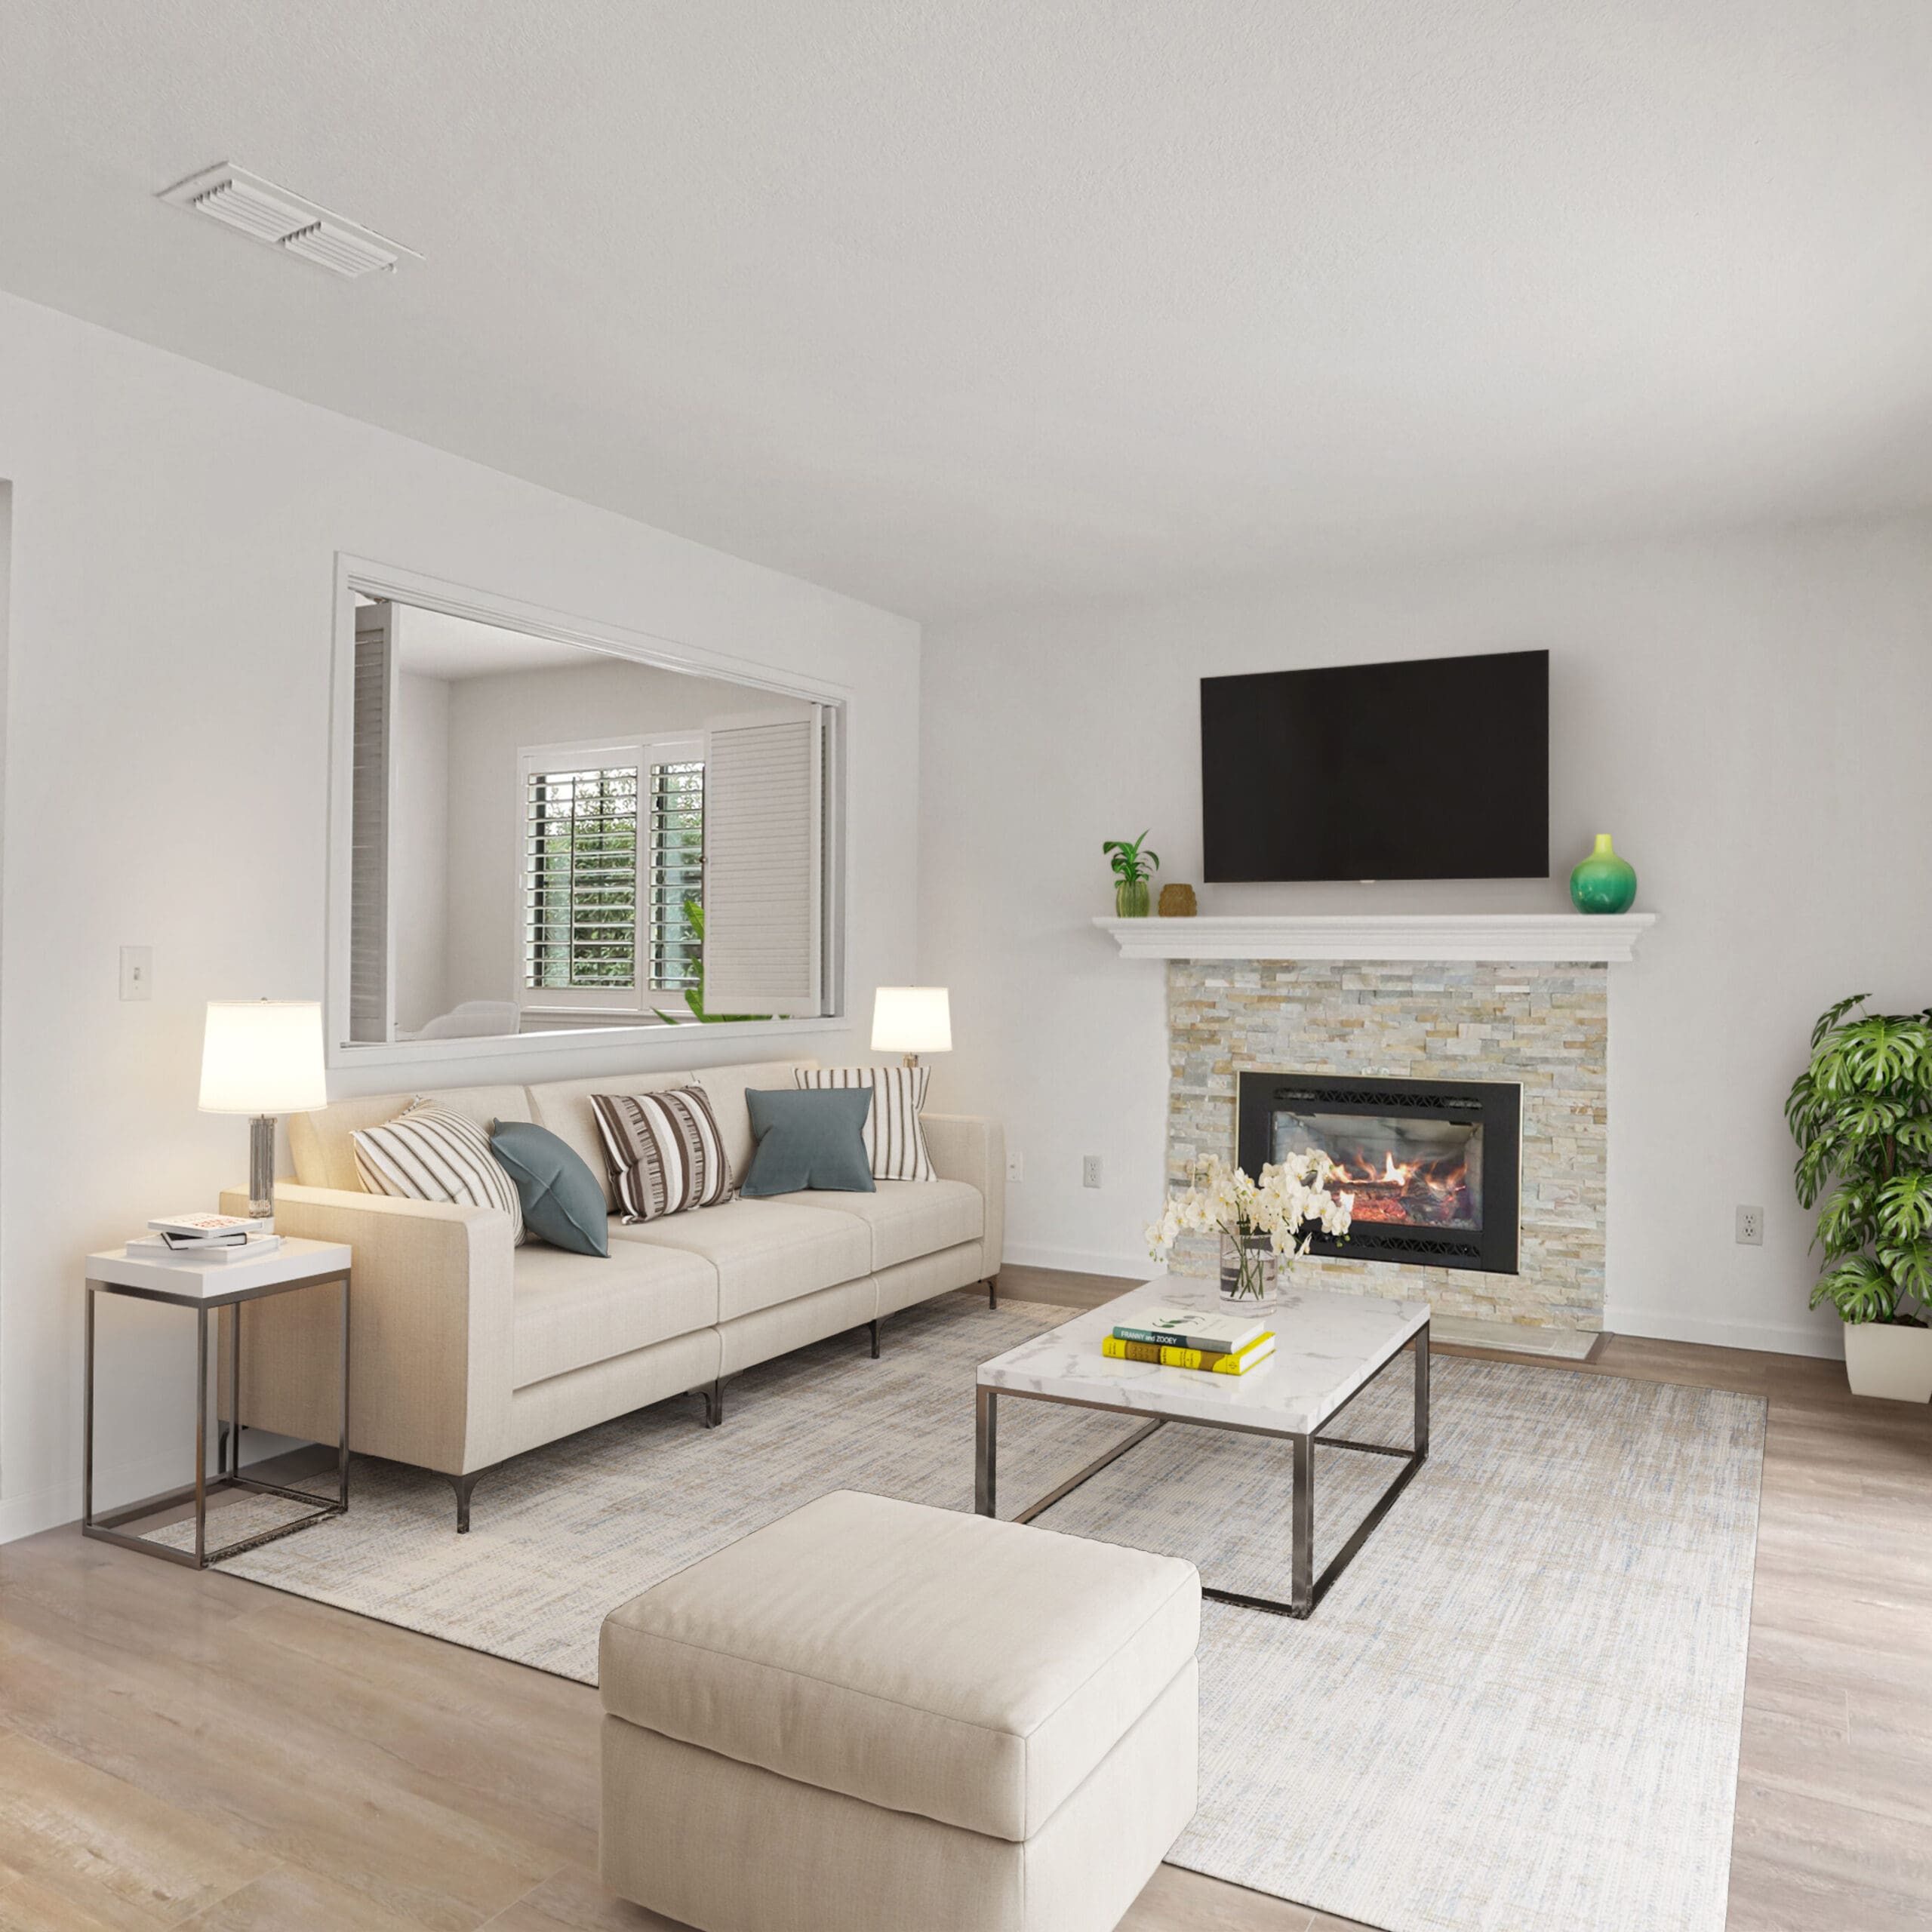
column 137, row 972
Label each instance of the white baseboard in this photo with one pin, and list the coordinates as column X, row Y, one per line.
column 1078, row 1261
column 1777, row 1338
column 40, row 1509
column 1781, row 1338
column 28, row 1514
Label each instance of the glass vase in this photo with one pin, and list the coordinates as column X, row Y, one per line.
column 1248, row 1267
column 1603, row 882
column 1131, row 898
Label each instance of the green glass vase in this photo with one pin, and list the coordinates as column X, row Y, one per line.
column 1131, row 898
column 1603, row 882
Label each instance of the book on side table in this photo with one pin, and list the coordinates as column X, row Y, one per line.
column 205, row 1238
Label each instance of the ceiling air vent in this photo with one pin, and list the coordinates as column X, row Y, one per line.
column 258, row 208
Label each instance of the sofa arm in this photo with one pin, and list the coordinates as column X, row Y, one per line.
column 964, row 1147
column 430, row 1330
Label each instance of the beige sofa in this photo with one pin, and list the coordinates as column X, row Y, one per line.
column 467, row 1351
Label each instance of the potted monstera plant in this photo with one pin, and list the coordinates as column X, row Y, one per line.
column 1861, row 1113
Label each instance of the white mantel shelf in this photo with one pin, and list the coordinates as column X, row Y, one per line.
column 1608, row 938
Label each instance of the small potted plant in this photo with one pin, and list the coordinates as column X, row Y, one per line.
column 1132, row 864
column 1861, row 1113
column 1262, row 1223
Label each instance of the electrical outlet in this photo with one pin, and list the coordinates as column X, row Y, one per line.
column 137, row 972
column 1751, row 1226
column 1089, row 1171
column 1015, row 1167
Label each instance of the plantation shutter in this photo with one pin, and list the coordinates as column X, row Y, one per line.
column 580, row 859
column 763, row 864
column 371, row 1016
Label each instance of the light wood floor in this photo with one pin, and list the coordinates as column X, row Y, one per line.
column 179, row 1749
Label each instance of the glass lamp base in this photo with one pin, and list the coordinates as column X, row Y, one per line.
column 261, row 1167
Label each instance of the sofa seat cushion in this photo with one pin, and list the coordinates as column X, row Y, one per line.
column 922, row 1660
column 765, row 1252
column 909, row 1218
column 569, row 1311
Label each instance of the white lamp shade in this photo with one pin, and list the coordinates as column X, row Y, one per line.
column 263, row 1057
column 912, row 1020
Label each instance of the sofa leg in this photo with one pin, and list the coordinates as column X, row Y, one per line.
column 463, row 1485
column 992, row 1291
column 714, row 1403
column 874, row 1327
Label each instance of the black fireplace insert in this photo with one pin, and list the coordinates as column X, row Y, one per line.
column 1434, row 1165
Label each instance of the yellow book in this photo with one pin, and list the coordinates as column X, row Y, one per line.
column 1169, row 1356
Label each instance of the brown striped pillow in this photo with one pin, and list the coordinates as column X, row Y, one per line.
column 429, row 1153
column 663, row 1150
column 894, row 1144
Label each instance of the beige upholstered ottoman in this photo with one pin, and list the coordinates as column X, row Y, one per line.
column 876, row 1717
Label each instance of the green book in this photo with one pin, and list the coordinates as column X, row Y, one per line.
column 1191, row 1328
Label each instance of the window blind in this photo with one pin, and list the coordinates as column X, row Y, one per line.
column 677, row 872
column 580, row 877
column 373, row 708
column 762, row 864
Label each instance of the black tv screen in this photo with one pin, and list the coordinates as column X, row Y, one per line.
column 1435, row 768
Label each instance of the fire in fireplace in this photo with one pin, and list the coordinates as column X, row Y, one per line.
column 1426, row 1172
column 1432, row 1165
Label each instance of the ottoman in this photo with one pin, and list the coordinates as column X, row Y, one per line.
column 872, row 1716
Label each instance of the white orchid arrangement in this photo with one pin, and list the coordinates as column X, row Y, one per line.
column 1290, row 1203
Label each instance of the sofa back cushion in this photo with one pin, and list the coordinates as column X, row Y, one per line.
column 564, row 1106
column 322, row 1143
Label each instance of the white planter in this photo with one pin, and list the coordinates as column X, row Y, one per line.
column 1883, row 1359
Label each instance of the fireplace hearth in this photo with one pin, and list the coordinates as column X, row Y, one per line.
column 1433, row 1165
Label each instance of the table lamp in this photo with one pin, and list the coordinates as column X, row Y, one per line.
column 262, row 1057
column 912, row 1020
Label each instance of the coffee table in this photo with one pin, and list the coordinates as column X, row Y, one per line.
column 1328, row 1348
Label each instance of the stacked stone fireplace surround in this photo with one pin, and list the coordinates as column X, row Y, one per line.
column 1545, row 1027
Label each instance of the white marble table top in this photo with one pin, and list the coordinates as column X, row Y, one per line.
column 1326, row 1347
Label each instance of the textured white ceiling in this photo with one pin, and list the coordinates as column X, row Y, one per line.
column 960, row 304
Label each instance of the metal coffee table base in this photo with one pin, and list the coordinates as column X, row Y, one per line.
column 1306, row 1589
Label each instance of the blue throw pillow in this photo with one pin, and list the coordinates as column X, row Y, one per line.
column 812, row 1138
column 563, row 1201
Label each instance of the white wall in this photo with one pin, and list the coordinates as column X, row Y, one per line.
column 491, row 720
column 174, row 536
column 420, row 848
column 1749, row 715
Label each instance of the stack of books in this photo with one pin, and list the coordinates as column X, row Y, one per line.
column 205, row 1238
column 1189, row 1338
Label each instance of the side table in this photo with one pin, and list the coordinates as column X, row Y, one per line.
column 204, row 1286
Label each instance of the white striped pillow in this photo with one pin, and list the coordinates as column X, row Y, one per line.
column 894, row 1144
column 664, row 1151
column 428, row 1153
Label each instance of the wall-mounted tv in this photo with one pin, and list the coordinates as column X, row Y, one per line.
column 1438, row 767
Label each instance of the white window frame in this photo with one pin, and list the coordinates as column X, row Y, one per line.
column 362, row 577
column 595, row 755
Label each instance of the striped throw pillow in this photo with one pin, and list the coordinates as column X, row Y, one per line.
column 894, row 1144
column 429, row 1153
column 664, row 1151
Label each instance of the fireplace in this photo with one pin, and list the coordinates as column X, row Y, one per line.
column 1432, row 1165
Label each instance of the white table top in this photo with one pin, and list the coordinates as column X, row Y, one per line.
column 188, row 1280
column 1326, row 1347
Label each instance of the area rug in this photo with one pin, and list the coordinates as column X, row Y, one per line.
column 1519, row 1708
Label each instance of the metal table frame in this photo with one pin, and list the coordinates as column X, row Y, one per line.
column 107, row 1528
column 1305, row 1588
